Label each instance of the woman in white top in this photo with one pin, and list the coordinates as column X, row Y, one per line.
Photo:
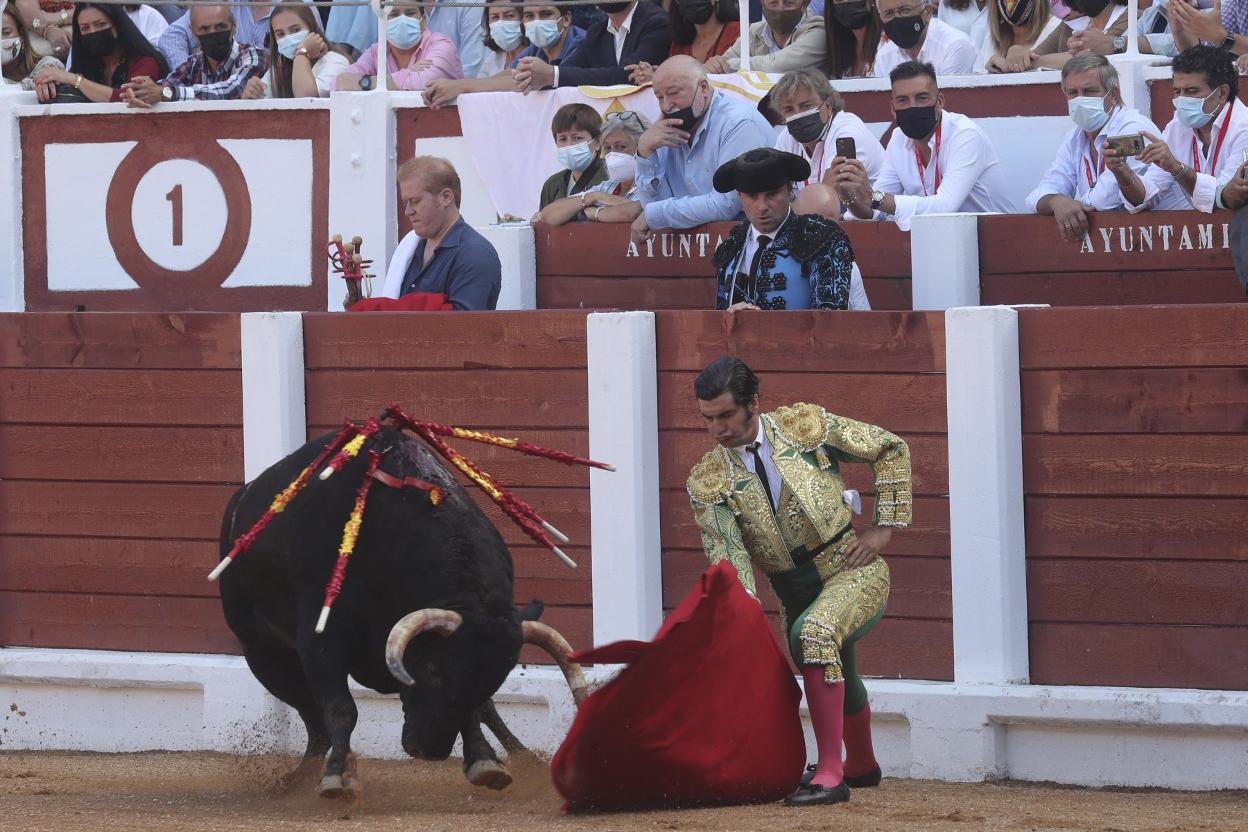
column 970, row 17
column 301, row 64
column 149, row 21
column 1014, row 28
column 504, row 37
column 814, row 118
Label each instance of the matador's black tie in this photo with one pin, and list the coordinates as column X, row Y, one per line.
column 761, row 471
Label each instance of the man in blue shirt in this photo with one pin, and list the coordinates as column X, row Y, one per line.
column 678, row 156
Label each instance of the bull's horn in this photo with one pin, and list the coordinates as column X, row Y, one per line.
column 549, row 639
column 410, row 626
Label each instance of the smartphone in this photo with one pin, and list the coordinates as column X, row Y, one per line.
column 846, row 148
column 1130, row 145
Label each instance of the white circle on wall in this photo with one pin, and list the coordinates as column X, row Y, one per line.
column 179, row 214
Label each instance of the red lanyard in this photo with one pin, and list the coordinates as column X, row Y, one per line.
column 1087, row 169
column 816, row 175
column 1217, row 147
column 918, row 163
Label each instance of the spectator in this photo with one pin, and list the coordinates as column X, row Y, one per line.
column 414, row 56
column 615, row 199
column 678, row 156
column 148, row 21
column 1229, row 29
column 701, row 29
column 1204, row 144
column 937, row 161
column 442, row 254
column 1085, row 176
column 970, row 17
column 1094, row 19
column 108, row 51
column 814, row 118
column 301, row 63
column 251, row 27
column 575, row 128
column 776, row 258
column 47, row 26
column 914, row 35
column 18, row 62
column 504, row 38
column 788, row 37
column 853, row 32
column 463, row 25
column 630, row 34
column 1014, row 28
column 222, row 68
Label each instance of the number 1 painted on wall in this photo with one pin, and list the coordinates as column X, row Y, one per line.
column 175, row 199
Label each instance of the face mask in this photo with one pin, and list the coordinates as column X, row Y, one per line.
column 613, row 8
column 575, row 157
column 807, row 127
column 506, row 34
column 542, row 33
column 10, row 48
column 217, row 45
column 695, row 11
column 99, row 44
column 1088, row 112
column 688, row 119
column 1091, row 8
column 289, row 45
column 917, row 122
column 1191, row 111
column 621, row 167
column 783, row 21
column 853, row 15
column 905, row 31
column 1017, row 12
column 403, row 31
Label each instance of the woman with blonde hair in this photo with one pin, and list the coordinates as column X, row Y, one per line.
column 19, row 62
column 1014, row 28
column 302, row 64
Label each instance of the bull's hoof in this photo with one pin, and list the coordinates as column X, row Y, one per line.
column 345, row 786
column 489, row 773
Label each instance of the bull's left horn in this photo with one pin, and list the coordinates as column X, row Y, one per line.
column 549, row 639
column 410, row 626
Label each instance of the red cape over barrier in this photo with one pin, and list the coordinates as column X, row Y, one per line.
column 411, row 302
column 705, row 713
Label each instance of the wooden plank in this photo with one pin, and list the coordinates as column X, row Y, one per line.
column 107, row 566
column 886, row 293
column 576, row 624
column 1125, row 288
column 381, row 341
column 1204, row 593
column 565, row 508
column 1142, row 336
column 1158, row 465
column 127, row 454
column 903, row 403
column 121, row 397
column 511, row 400
column 624, row 293
column 1212, row 658
column 1139, row 527
column 117, row 340
column 1180, row 400
column 130, row 510
column 854, row 342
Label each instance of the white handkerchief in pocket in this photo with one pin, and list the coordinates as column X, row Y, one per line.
column 853, row 500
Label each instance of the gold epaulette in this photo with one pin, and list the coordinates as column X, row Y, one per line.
column 710, row 480
column 803, row 426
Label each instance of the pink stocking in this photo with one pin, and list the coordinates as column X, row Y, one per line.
column 826, row 703
column 859, row 753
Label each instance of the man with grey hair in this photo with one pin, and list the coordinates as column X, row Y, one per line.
column 677, row 157
column 1087, row 175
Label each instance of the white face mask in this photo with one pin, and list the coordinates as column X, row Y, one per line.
column 10, row 48
column 1088, row 112
column 621, row 167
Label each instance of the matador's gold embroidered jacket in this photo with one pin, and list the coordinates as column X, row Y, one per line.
column 808, row 442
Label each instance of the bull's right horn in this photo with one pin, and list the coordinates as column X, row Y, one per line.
column 549, row 639
column 410, row 626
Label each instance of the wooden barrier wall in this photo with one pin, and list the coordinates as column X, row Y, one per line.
column 518, row 373
column 120, row 443
column 595, row 266
column 886, row 368
column 1135, row 446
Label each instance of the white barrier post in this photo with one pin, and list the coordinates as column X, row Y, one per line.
column 989, row 557
column 518, row 253
column 624, row 504
column 944, row 261
column 274, row 416
column 744, row 7
column 12, row 288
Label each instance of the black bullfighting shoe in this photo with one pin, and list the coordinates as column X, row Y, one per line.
column 816, row 795
column 864, row 781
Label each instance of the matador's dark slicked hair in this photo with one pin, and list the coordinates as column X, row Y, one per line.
column 726, row 375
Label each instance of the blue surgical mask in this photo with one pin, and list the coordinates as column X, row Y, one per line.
column 403, row 31
column 542, row 33
column 576, row 157
column 1191, row 111
column 506, row 34
column 1088, row 112
column 290, row 44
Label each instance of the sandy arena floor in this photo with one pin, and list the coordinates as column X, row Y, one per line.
column 167, row 791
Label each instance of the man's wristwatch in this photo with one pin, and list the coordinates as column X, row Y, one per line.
column 366, row 82
column 1120, row 45
column 877, row 199
column 1228, row 42
column 166, row 93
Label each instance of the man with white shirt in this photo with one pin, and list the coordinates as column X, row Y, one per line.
column 1086, row 176
column 1207, row 140
column 630, row 34
column 915, row 35
column 937, row 161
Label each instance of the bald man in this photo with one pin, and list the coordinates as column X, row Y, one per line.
column 677, row 157
column 822, row 200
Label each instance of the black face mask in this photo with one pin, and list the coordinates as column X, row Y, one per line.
column 99, row 44
column 852, row 15
column 917, row 122
column 905, row 31
column 783, row 21
column 612, row 8
column 806, row 129
column 217, row 45
column 688, row 120
column 695, row 11
column 1091, row 8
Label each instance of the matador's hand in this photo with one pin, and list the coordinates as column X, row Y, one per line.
column 867, row 547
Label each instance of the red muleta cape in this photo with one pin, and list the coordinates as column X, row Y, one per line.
column 705, row 713
column 411, row 302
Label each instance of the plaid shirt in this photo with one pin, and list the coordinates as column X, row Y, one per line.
column 1235, row 17
column 195, row 79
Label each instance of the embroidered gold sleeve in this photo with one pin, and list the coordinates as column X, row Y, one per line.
column 721, row 539
column 889, row 457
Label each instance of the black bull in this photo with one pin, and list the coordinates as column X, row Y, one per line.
column 432, row 586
